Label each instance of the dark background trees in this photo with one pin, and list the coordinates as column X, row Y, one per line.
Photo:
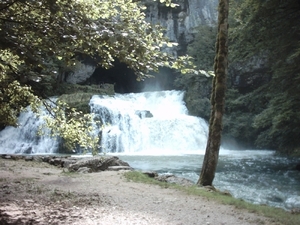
column 262, row 100
column 271, row 30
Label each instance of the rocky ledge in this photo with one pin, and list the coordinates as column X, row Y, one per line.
column 77, row 164
column 95, row 164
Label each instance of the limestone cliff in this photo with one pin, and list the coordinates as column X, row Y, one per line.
column 181, row 22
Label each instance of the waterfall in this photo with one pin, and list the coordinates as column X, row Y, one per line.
column 143, row 123
column 24, row 138
column 148, row 123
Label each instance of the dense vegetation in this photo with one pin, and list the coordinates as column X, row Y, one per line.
column 202, row 49
column 40, row 40
column 263, row 102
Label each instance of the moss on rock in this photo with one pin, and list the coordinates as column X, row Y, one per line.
column 78, row 96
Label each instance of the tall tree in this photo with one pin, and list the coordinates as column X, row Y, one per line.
column 217, row 98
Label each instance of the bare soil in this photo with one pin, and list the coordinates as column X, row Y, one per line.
column 38, row 193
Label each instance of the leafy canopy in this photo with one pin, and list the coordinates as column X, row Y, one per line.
column 41, row 37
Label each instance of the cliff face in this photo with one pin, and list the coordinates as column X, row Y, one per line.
column 181, row 22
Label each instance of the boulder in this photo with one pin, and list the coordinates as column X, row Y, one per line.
column 97, row 164
column 56, row 162
column 144, row 114
column 151, row 174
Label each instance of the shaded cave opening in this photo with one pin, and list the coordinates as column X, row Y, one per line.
column 125, row 80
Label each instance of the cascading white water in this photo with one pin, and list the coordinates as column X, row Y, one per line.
column 149, row 123
column 24, row 138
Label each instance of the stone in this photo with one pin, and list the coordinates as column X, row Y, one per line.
column 84, row 170
column 67, row 162
column 144, row 114
column 28, row 158
column 97, row 164
column 118, row 168
column 151, row 174
column 56, row 162
column 38, row 158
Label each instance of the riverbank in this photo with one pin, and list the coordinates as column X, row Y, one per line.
column 39, row 193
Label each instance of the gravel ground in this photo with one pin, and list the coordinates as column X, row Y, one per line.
column 38, row 193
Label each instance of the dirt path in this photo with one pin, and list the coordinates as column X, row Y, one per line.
column 37, row 193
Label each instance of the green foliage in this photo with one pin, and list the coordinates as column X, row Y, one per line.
column 269, row 29
column 197, row 87
column 78, row 101
column 279, row 123
column 40, row 32
column 13, row 96
column 41, row 39
column 74, row 127
column 202, row 49
column 261, row 115
column 197, row 94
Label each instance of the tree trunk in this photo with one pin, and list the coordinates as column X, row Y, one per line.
column 217, row 98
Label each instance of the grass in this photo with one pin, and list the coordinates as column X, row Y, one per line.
column 277, row 216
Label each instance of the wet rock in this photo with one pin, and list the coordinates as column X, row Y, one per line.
column 151, row 174
column 29, row 150
column 144, row 114
column 275, row 199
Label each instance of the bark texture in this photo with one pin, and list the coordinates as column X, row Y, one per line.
column 217, row 98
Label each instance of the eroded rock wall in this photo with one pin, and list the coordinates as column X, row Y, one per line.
column 181, row 22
